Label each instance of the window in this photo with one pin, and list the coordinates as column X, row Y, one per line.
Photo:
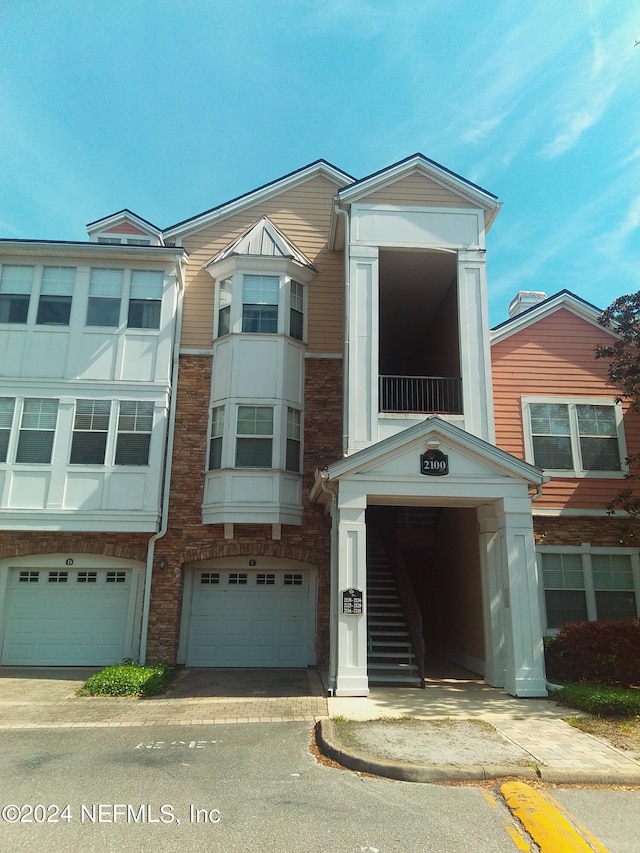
column 215, row 442
column 134, row 433
column 254, row 442
column 7, row 405
column 584, row 584
column 110, row 241
column 87, row 577
column 58, row 577
column 137, row 241
column 293, row 440
column 296, row 311
column 105, row 293
column 145, row 299
column 574, row 437
column 224, row 307
column 260, row 304
column 37, row 429
column 54, row 307
column 15, row 291
column 116, row 577
column 90, row 428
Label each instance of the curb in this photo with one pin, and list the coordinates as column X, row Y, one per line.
column 331, row 747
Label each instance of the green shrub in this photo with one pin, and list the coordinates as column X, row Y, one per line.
column 600, row 701
column 127, row 679
column 596, row 652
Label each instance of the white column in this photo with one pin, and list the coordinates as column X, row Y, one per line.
column 362, row 397
column 492, row 604
column 475, row 357
column 524, row 673
column 351, row 676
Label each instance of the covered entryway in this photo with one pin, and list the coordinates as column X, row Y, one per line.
column 240, row 615
column 69, row 612
column 482, row 559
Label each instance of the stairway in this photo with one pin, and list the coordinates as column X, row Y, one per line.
column 390, row 658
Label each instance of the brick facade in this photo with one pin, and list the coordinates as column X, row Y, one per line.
column 599, row 531
column 188, row 540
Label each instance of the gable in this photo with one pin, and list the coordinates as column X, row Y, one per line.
column 416, row 190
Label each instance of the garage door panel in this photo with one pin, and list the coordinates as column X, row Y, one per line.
column 260, row 622
column 78, row 621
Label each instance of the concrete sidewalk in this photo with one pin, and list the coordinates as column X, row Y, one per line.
column 547, row 748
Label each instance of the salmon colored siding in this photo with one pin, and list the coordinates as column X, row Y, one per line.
column 555, row 358
column 303, row 214
column 125, row 228
column 416, row 190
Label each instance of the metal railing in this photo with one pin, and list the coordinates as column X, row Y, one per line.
column 428, row 394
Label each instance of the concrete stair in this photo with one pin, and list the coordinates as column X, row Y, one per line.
column 390, row 657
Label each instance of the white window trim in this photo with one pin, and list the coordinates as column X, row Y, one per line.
column 572, row 402
column 284, row 303
column 586, row 550
column 278, row 437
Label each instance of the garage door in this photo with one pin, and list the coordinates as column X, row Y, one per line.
column 73, row 617
column 249, row 619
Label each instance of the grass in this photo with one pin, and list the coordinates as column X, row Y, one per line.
column 127, row 679
column 615, row 713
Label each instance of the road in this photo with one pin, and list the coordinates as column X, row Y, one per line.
column 250, row 787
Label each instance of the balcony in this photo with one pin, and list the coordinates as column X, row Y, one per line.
column 421, row 394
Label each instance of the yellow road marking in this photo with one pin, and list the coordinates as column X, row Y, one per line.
column 490, row 799
column 518, row 839
column 548, row 827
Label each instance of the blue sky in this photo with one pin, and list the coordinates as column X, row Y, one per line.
column 170, row 108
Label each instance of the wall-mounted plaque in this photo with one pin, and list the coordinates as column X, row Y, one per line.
column 352, row 601
column 434, row 463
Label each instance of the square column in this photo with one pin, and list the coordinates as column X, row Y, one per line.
column 351, row 673
column 524, row 658
column 491, row 572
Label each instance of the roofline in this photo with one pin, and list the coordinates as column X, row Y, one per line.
column 255, row 195
column 564, row 298
column 125, row 212
column 84, row 247
column 432, row 165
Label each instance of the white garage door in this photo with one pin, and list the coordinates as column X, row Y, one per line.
column 75, row 617
column 249, row 619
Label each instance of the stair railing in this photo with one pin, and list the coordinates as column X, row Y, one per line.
column 407, row 599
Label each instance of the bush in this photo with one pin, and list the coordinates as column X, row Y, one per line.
column 127, row 679
column 595, row 652
column 600, row 701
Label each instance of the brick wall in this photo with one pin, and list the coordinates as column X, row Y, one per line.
column 128, row 546
column 600, row 531
column 188, row 540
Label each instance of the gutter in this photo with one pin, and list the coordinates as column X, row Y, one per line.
column 347, row 299
column 164, row 521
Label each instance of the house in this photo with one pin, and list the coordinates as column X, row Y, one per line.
column 289, row 438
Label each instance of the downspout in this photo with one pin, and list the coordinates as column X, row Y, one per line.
column 347, row 299
column 164, row 518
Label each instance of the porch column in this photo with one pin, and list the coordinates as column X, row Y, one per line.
column 351, row 676
column 524, row 672
column 492, row 604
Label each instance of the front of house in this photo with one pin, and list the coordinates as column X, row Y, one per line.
column 265, row 437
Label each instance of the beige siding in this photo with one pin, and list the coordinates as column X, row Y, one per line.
column 303, row 214
column 416, row 190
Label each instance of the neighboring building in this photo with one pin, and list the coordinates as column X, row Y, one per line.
column 318, row 478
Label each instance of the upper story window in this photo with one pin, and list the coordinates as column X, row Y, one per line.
column 260, row 304
column 224, row 307
column 135, row 423
column 56, row 292
column 215, row 442
column 7, row 406
column 37, row 430
column 254, row 437
column 575, row 438
column 128, row 241
column 105, row 294
column 296, row 311
column 294, row 433
column 15, row 292
column 90, row 430
column 145, row 299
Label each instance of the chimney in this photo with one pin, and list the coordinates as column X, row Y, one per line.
column 525, row 299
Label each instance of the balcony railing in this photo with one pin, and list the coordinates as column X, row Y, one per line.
column 425, row 394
